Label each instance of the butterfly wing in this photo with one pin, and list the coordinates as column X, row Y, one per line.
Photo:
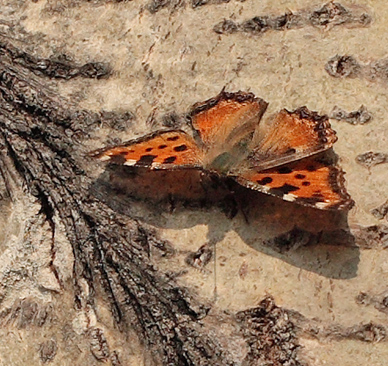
column 289, row 137
column 311, row 182
column 227, row 121
column 158, row 150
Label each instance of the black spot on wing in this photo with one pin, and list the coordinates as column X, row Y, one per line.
column 309, row 200
column 318, row 194
column 284, row 170
column 148, row 149
column 300, row 176
column 172, row 138
column 290, row 150
column 161, row 147
column 285, row 188
column 146, row 160
column 169, row 160
column 118, row 159
column 180, row 148
column 264, row 181
column 305, row 183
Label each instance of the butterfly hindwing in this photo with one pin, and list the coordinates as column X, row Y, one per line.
column 158, row 150
column 310, row 182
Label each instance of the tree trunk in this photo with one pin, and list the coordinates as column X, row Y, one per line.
column 97, row 268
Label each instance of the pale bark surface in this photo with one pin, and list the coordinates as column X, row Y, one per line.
column 117, row 266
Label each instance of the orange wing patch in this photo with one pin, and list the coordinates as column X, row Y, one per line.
column 308, row 182
column 160, row 150
column 227, row 117
column 290, row 137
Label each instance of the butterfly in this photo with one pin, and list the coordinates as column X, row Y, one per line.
column 282, row 158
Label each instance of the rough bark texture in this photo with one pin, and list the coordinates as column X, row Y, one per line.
column 41, row 149
column 113, row 265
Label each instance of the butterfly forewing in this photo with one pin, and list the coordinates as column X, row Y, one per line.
column 159, row 150
column 311, row 182
column 227, row 118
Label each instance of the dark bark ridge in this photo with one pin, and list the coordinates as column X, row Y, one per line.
column 59, row 68
column 329, row 15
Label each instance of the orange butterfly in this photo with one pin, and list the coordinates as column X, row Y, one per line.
column 281, row 159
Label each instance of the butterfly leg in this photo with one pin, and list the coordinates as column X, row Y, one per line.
column 201, row 257
column 231, row 203
column 171, row 203
column 293, row 240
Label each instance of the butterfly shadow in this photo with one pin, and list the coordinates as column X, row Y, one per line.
column 314, row 240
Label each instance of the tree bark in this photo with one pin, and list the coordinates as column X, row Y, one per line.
column 46, row 175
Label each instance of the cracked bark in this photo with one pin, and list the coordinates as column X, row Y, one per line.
column 42, row 145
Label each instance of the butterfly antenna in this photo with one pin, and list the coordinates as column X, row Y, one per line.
column 242, row 210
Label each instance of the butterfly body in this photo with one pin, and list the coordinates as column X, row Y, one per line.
column 281, row 159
